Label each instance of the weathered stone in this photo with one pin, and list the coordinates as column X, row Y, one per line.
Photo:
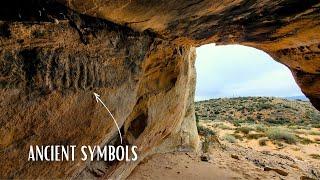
column 235, row 156
column 279, row 171
column 205, row 157
column 139, row 56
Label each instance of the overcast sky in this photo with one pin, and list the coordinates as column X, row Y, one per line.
column 234, row 70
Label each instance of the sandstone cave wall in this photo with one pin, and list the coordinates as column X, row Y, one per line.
column 48, row 73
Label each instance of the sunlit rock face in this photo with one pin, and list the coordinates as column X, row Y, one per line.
column 139, row 56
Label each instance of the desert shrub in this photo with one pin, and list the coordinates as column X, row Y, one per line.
column 223, row 126
column 38, row 33
column 305, row 127
column 206, row 144
column 239, row 121
column 317, row 133
column 278, row 143
column 250, row 120
column 230, row 138
column 316, row 125
column 260, row 128
column 236, row 123
column 281, row 134
column 301, row 121
column 263, row 141
column 255, row 136
column 278, row 121
column 244, row 129
column 286, row 106
column 259, row 116
column 229, row 118
column 291, row 126
column 240, row 108
column 312, row 115
column 205, row 131
column 263, row 106
column 304, row 140
column 237, row 136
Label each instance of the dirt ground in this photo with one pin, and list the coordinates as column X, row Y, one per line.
column 241, row 160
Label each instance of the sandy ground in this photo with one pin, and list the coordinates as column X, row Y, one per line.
column 222, row 165
column 179, row 166
column 242, row 160
column 233, row 163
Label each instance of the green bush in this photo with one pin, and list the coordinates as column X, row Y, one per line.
column 244, row 129
column 261, row 128
column 317, row 133
column 205, row 131
column 224, row 127
column 208, row 134
column 278, row 121
column 264, row 106
column 236, row 123
column 250, row 120
column 230, row 138
column 281, row 134
column 316, row 125
column 205, row 145
column 304, row 140
column 237, row 136
column 255, row 136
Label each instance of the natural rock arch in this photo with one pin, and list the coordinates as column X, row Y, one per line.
column 287, row 30
column 139, row 55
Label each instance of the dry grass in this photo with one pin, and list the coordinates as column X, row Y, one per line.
column 281, row 134
column 316, row 133
column 244, row 129
column 230, row 138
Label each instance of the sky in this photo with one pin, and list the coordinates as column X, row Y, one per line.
column 235, row 70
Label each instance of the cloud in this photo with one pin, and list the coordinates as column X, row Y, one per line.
column 234, row 70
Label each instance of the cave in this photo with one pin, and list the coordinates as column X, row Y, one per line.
column 122, row 50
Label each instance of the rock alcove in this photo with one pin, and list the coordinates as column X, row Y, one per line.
column 139, row 56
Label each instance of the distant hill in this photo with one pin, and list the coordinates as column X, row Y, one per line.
column 302, row 98
column 267, row 109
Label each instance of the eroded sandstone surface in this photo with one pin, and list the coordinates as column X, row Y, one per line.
column 139, row 56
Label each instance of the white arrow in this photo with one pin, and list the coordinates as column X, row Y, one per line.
column 99, row 100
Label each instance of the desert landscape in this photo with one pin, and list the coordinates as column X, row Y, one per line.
column 246, row 138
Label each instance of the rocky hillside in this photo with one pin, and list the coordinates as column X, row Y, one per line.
column 258, row 109
column 270, row 134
